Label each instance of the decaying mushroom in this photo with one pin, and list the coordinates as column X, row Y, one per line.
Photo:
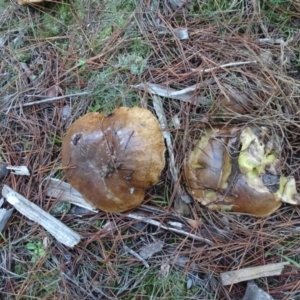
column 238, row 170
column 111, row 159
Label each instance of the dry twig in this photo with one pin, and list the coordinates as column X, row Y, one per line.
column 43, row 101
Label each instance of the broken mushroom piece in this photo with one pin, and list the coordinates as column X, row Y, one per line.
column 238, row 170
column 111, row 159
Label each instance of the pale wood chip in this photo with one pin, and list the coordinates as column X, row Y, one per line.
column 245, row 274
column 65, row 192
column 19, row 170
column 60, row 231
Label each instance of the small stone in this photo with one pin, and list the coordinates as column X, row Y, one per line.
column 3, row 170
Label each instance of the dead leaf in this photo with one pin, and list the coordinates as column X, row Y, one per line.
column 149, row 250
column 53, row 91
column 194, row 223
column 164, row 270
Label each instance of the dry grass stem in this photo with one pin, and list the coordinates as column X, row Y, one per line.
column 48, row 100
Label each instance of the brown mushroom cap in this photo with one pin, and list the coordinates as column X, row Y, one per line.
column 111, row 159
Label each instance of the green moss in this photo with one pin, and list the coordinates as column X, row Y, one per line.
column 51, row 26
column 139, row 47
column 110, row 89
column 115, row 15
column 23, row 56
column 19, row 269
column 43, row 285
column 60, row 208
column 54, row 22
column 153, row 284
column 216, row 6
column 2, row 5
column 280, row 2
column 36, row 249
column 133, row 63
column 105, row 33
